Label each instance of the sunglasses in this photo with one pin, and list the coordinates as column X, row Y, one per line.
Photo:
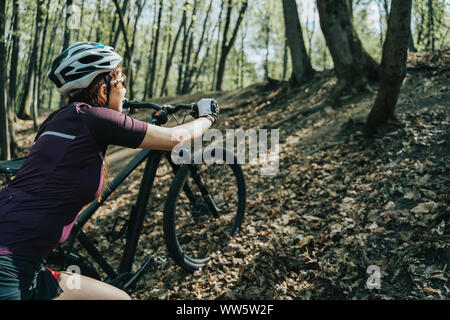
column 119, row 83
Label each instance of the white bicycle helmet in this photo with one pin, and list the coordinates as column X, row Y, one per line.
column 78, row 65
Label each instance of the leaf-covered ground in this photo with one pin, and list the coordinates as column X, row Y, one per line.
column 340, row 203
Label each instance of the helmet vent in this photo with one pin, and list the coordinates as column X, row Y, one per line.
column 90, row 59
column 67, row 70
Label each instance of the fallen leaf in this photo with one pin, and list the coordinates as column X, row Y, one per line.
column 306, row 240
column 389, row 206
column 432, row 290
column 425, row 207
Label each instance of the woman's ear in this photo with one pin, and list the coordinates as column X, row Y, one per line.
column 102, row 91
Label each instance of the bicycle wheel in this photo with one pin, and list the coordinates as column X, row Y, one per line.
column 56, row 259
column 205, row 207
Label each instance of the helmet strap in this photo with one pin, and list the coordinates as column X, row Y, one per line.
column 108, row 88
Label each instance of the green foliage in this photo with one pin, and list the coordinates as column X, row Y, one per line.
column 431, row 24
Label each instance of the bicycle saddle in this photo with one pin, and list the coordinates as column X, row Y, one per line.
column 11, row 166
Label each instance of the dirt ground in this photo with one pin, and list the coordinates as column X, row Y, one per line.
column 340, row 208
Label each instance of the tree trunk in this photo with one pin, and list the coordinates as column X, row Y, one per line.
column 172, row 53
column 25, row 106
column 124, row 31
column 393, row 65
column 184, row 85
column 41, row 75
column 226, row 45
column 155, row 51
column 266, row 28
column 411, row 46
column 242, row 57
column 199, row 69
column 51, row 48
column 353, row 65
column 15, row 38
column 99, row 31
column 167, row 41
column 66, row 40
column 81, row 21
column 37, row 67
column 185, row 51
column 301, row 65
column 285, row 59
column 430, row 44
column 420, row 24
column 219, row 24
column 119, row 28
column 132, row 69
column 190, row 70
column 4, row 123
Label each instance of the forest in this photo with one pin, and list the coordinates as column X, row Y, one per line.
column 359, row 90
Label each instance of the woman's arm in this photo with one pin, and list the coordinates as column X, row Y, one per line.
column 163, row 138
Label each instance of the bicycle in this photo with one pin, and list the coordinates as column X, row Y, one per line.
column 196, row 220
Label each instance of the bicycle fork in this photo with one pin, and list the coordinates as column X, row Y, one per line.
column 195, row 172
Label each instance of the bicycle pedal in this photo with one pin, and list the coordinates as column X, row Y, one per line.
column 159, row 262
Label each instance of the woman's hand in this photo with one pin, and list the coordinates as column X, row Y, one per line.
column 208, row 108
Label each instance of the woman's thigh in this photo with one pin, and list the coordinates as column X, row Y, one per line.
column 78, row 287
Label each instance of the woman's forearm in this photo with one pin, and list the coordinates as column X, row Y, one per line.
column 163, row 138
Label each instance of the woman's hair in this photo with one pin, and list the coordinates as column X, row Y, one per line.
column 91, row 94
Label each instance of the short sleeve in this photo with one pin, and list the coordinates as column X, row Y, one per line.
column 108, row 126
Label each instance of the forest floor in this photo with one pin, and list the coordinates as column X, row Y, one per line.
column 340, row 203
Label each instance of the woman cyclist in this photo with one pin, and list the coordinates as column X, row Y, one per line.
column 64, row 172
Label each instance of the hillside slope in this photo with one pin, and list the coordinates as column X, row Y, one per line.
column 339, row 203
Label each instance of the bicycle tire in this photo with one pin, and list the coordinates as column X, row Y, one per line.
column 56, row 260
column 175, row 245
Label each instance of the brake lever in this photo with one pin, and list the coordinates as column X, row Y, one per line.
column 161, row 115
column 194, row 111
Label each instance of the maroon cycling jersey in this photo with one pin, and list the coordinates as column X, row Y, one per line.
column 63, row 173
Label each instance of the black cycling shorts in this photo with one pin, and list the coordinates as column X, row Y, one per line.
column 26, row 278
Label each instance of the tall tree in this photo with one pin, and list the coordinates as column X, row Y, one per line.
column 119, row 30
column 431, row 35
column 140, row 6
column 353, row 65
column 154, row 51
column 15, row 38
column 301, row 65
column 67, row 36
column 172, row 51
column 218, row 26
column 186, row 49
column 124, row 31
column 4, row 129
column 30, row 79
column 195, row 67
column 393, row 65
column 227, row 44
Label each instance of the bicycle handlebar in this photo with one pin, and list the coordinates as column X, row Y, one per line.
column 149, row 105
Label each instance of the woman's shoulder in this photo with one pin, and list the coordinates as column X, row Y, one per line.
column 79, row 106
